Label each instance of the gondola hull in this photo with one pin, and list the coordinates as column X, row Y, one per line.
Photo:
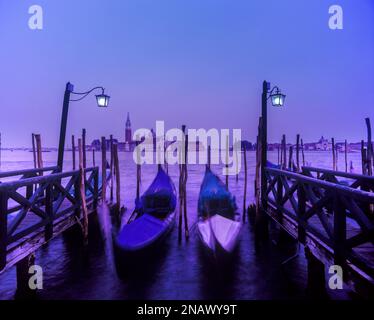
column 219, row 223
column 219, row 236
column 143, row 237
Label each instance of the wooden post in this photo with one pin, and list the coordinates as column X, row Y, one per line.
column 340, row 231
column 166, row 157
column 33, row 149
column 278, row 148
column 73, row 150
column 333, row 154
column 284, row 147
column 209, row 157
column 117, row 172
column 84, row 148
column 181, row 184
column 257, row 174
column 111, row 168
column 49, row 212
column 290, row 158
column 237, row 160
column 77, row 195
column 298, row 152
column 103, row 168
column 185, row 176
column 302, row 152
column 245, row 184
column 39, row 151
column 369, row 156
column 138, row 170
column 23, row 277
column 93, row 158
column 3, row 228
column 83, row 191
column 227, row 163
column 346, row 155
column 301, row 203
column 0, row 150
column 363, row 158
column 39, row 159
column 279, row 197
column 96, row 187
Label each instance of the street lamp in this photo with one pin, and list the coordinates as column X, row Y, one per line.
column 277, row 100
column 102, row 101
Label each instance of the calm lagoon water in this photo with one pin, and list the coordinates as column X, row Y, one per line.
column 74, row 272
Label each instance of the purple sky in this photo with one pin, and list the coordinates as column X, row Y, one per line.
column 194, row 62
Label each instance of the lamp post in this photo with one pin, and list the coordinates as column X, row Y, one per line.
column 277, row 100
column 102, row 101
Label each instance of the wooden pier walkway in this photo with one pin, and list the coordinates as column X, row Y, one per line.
column 331, row 213
column 40, row 205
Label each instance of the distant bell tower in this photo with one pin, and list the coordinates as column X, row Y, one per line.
column 128, row 135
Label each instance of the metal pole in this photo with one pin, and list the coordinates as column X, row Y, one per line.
column 265, row 87
column 64, row 118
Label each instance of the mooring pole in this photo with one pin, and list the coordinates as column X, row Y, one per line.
column 227, row 163
column 73, row 150
column 39, row 152
column 82, row 189
column 369, row 148
column 209, row 156
column 103, row 169
column 298, row 152
column 345, row 155
column 302, row 152
column 64, row 118
column 84, row 148
column 33, row 150
column 185, row 176
column 245, row 184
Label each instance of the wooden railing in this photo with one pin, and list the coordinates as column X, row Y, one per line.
column 332, row 213
column 28, row 173
column 356, row 181
column 37, row 202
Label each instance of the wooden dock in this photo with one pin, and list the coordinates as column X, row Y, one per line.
column 40, row 205
column 331, row 214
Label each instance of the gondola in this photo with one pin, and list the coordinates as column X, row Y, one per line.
column 155, row 217
column 219, row 222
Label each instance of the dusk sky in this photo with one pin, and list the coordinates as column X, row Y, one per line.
column 194, row 62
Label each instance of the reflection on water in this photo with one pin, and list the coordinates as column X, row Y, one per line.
column 179, row 271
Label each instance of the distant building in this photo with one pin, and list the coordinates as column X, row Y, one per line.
column 323, row 144
column 129, row 144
